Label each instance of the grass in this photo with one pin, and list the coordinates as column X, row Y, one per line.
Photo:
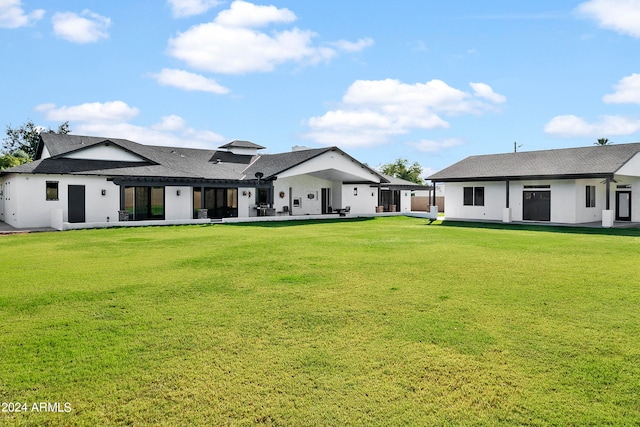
column 388, row 321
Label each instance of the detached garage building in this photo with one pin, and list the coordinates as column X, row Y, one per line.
column 567, row 186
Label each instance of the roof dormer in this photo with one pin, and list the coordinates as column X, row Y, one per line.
column 242, row 147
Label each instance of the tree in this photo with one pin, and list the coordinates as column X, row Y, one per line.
column 16, row 158
column 27, row 137
column 401, row 169
column 603, row 141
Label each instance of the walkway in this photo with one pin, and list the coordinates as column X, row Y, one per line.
column 7, row 229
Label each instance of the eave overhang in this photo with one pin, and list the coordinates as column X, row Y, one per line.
column 524, row 178
column 185, row 181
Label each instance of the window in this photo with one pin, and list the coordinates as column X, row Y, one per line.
column 478, row 196
column 468, row 196
column 52, row 190
column 591, row 196
column 473, row 196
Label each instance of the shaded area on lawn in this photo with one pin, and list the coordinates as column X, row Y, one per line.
column 623, row 231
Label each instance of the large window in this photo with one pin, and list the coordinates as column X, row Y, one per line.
column 52, row 190
column 591, row 196
column 473, row 196
column 144, row 203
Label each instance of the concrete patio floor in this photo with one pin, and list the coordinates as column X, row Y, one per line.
column 8, row 229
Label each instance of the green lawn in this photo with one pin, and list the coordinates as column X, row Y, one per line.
column 387, row 321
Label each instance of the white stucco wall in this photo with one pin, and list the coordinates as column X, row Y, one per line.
column 405, row 202
column 582, row 212
column 246, row 200
column 104, row 151
column 341, row 196
column 631, row 168
column 568, row 200
column 494, row 201
column 26, row 205
column 302, row 187
column 364, row 202
column 178, row 206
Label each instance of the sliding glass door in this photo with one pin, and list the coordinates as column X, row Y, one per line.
column 219, row 202
column 144, row 203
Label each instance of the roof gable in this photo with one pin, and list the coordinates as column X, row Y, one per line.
column 106, row 150
column 330, row 162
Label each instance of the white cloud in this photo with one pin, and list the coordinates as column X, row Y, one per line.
column 88, row 27
column 574, row 126
column 188, row 81
column 112, row 119
column 107, row 112
column 627, row 91
column 358, row 46
column 184, row 8
column 431, row 146
column 622, row 16
column 248, row 15
column 232, row 44
column 12, row 15
column 170, row 123
column 373, row 111
column 483, row 90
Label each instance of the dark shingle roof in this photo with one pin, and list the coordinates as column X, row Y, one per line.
column 161, row 161
column 576, row 162
column 242, row 144
column 272, row 164
column 402, row 184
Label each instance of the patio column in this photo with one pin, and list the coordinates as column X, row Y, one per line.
column 506, row 212
column 433, row 212
column 608, row 192
column 507, row 191
column 607, row 214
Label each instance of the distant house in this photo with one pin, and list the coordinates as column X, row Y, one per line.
column 82, row 179
column 571, row 186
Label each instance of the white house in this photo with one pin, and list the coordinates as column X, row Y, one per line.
column 570, row 186
column 82, row 179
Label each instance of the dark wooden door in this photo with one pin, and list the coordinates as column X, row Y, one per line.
column 326, row 200
column 76, row 203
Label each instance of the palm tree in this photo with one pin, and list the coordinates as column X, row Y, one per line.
column 603, row 141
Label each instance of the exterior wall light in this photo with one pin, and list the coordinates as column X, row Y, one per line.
column 177, row 192
column 355, row 191
column 103, row 192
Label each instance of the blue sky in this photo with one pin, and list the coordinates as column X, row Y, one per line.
column 429, row 81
